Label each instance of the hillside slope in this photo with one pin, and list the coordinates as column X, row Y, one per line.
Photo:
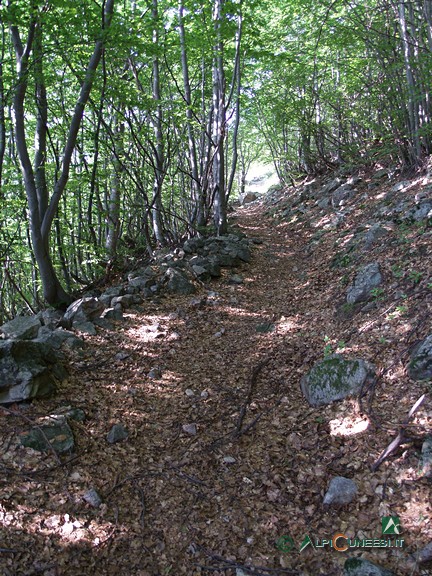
column 224, row 458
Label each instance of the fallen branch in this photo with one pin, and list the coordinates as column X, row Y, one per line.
column 400, row 438
column 252, row 384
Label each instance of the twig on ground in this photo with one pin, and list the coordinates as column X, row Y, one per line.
column 252, row 384
column 400, row 438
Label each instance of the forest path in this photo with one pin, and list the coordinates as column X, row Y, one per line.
column 224, row 456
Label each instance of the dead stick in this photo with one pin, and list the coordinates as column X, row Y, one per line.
column 400, row 438
column 252, row 383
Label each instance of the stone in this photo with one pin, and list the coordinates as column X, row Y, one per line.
column 382, row 173
column 400, row 186
column 335, row 378
column 125, row 301
column 85, row 327
column 330, row 186
column 53, row 432
column 50, row 317
column 420, row 366
column 21, row 328
column 190, row 429
column 363, row 567
column 342, row 195
column 57, row 338
column 323, row 203
column 376, row 232
column 426, row 458
column 422, row 211
column 341, row 491
column 92, row 498
column 114, row 291
column 235, row 279
column 112, row 314
column 155, row 373
column 248, row 198
column 178, row 283
column 265, row 327
column 84, row 309
column 117, row 433
column 368, row 278
column 423, row 555
column 28, row 369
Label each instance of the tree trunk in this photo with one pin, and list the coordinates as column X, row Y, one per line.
column 42, row 212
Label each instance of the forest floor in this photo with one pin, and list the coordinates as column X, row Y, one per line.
column 223, row 497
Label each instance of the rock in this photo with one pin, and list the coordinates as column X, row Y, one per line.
column 21, row 328
column 342, row 195
column 178, row 283
column 426, row 458
column 363, row 567
column 235, row 279
column 330, row 187
column 401, row 186
column 376, row 232
column 85, row 327
column 420, row 366
column 335, row 378
column 52, row 432
column 190, row 429
column 382, row 173
column 155, row 373
column 112, row 314
column 368, row 278
column 28, row 369
column 265, row 327
column 117, row 433
column 229, row 460
column 323, row 203
column 340, row 491
column 125, row 301
column 84, row 310
column 50, row 317
column 56, row 338
column 249, row 197
column 423, row 555
column 422, row 211
column 92, row 498
column 114, row 291
column 189, row 392
column 121, row 356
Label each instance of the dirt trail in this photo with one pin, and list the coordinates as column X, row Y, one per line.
column 224, row 456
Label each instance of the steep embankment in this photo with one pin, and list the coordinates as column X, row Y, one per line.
column 224, row 456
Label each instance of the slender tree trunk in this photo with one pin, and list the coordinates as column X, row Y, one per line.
column 219, row 125
column 42, row 212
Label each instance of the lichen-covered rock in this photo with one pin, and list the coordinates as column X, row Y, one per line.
column 21, row 328
column 363, row 567
column 53, row 432
column 368, row 278
column 28, row 369
column 335, row 378
column 420, row 366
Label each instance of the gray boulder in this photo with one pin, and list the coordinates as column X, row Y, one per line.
column 363, row 567
column 248, row 198
column 368, row 278
column 84, row 309
column 177, row 282
column 376, row 232
column 28, row 369
column 422, row 211
column 342, row 195
column 21, row 328
column 340, row 491
column 52, row 433
column 335, row 378
column 330, row 186
column 420, row 366
column 56, row 338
